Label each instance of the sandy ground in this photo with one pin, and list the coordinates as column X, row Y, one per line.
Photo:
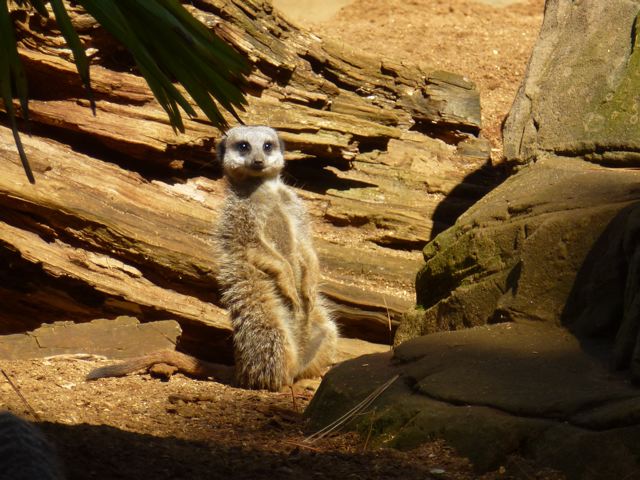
column 488, row 44
column 140, row 427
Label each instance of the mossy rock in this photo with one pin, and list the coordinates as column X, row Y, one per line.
column 517, row 253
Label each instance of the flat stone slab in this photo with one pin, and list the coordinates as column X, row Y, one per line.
column 122, row 337
column 525, row 389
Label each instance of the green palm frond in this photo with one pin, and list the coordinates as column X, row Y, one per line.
column 13, row 81
column 74, row 43
column 167, row 43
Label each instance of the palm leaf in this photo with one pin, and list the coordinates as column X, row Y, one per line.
column 167, row 43
column 114, row 20
column 73, row 41
column 219, row 51
column 179, row 53
column 13, row 80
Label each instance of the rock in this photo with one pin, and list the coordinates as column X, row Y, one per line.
column 555, row 241
column 605, row 297
column 527, row 389
column 578, row 99
column 122, row 337
column 516, row 254
column 126, row 337
column 544, row 269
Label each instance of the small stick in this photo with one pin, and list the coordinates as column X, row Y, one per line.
column 75, row 356
column 366, row 442
column 24, row 400
column 303, row 445
column 293, row 399
column 384, row 298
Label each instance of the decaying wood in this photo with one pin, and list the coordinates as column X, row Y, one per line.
column 120, row 219
column 103, row 235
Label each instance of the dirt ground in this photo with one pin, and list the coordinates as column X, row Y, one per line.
column 140, row 427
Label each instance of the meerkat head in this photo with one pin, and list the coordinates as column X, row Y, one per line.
column 251, row 152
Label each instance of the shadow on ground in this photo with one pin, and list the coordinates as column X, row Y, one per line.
column 104, row 452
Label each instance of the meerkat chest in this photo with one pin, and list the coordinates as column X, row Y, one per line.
column 280, row 229
column 281, row 218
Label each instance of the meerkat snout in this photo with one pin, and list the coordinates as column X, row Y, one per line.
column 257, row 161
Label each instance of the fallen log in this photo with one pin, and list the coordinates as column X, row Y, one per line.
column 120, row 219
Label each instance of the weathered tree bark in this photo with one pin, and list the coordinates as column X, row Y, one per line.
column 120, row 219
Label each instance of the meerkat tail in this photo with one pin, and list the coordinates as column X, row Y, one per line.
column 186, row 364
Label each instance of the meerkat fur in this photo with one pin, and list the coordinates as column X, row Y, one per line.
column 268, row 267
column 268, row 272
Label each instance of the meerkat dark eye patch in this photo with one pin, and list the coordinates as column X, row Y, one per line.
column 243, row 147
column 267, row 147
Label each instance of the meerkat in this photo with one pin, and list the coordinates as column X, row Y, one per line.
column 269, row 270
column 25, row 454
column 268, row 273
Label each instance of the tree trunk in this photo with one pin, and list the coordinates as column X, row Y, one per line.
column 120, row 219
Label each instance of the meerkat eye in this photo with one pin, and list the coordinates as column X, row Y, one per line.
column 267, row 147
column 243, row 147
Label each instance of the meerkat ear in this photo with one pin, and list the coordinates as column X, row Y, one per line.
column 281, row 144
column 221, row 148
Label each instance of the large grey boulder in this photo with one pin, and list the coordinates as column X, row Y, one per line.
column 526, row 337
column 580, row 94
column 557, row 241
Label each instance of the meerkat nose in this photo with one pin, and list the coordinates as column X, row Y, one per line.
column 257, row 161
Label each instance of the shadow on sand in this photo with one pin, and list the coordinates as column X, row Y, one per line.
column 104, row 452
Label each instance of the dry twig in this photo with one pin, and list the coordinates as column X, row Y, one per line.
column 19, row 393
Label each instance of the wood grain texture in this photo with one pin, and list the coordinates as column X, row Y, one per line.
column 120, row 219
